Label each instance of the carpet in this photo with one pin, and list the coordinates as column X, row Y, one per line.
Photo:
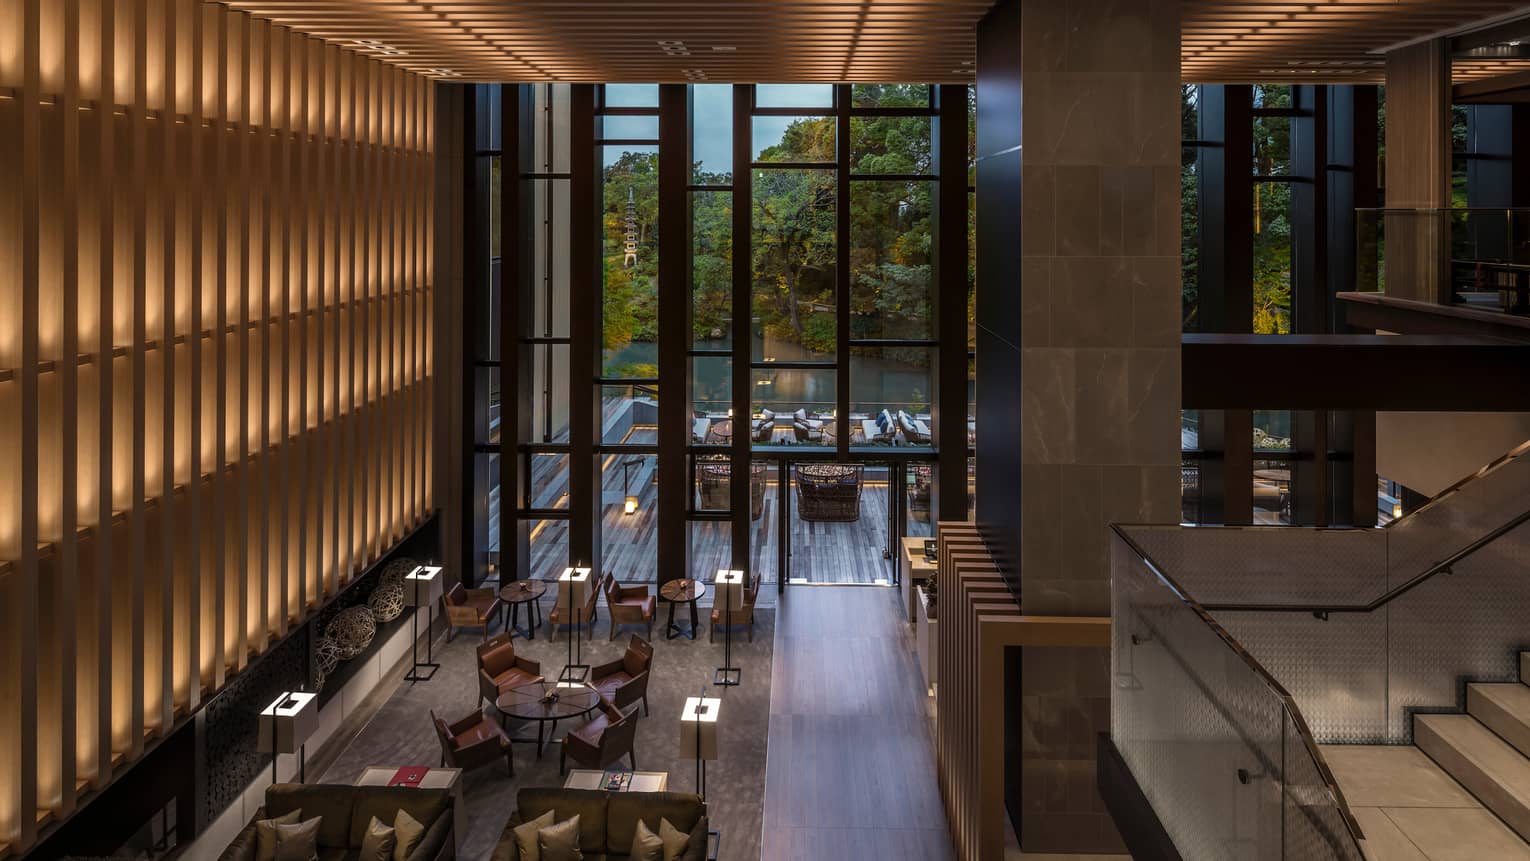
column 400, row 732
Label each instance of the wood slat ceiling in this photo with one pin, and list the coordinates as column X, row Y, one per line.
column 652, row 40
column 1224, row 41
column 1333, row 41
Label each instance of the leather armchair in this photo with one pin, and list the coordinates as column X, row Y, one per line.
column 473, row 741
column 624, row 681
column 500, row 669
column 629, row 605
column 601, row 741
column 585, row 614
column 743, row 616
column 469, row 608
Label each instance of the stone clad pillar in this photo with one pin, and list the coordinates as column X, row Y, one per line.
column 1095, row 328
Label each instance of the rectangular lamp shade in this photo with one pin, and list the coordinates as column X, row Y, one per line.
column 729, row 590
column 703, row 724
column 423, row 585
column 288, row 721
column 573, row 586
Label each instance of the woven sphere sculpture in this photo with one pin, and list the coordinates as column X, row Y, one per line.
column 326, row 654
column 352, row 629
column 396, row 571
column 386, row 602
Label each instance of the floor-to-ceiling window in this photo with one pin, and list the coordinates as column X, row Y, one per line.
column 834, row 256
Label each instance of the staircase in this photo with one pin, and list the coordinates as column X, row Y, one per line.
column 1414, row 809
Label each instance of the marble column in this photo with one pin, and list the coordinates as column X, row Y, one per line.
column 1097, row 337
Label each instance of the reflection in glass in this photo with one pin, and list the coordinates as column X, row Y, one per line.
column 712, row 270
column 891, row 279
column 794, row 265
column 630, row 253
column 1272, row 492
column 549, row 398
column 919, row 481
column 803, row 140
column 890, row 395
column 794, row 96
column 711, row 393
column 1272, row 430
column 549, row 241
column 712, row 134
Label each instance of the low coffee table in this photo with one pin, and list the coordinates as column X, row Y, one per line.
column 525, row 703
column 519, row 592
column 684, row 591
column 642, row 781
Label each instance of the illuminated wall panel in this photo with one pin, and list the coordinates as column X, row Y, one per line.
column 214, row 411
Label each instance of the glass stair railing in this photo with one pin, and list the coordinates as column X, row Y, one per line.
column 1239, row 652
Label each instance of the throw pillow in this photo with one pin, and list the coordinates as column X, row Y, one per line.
column 561, row 842
column 696, row 847
column 265, row 834
column 378, row 843
column 526, row 837
column 646, row 845
column 674, row 840
column 298, row 842
column 409, row 832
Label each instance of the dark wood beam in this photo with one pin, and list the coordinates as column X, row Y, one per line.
column 1354, row 372
column 949, row 407
column 673, row 544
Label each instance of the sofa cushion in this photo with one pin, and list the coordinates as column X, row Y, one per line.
column 332, row 804
column 646, row 845
column 527, row 846
column 410, row 832
column 384, row 802
column 379, row 841
column 624, row 810
column 298, row 842
column 265, row 834
column 673, row 840
column 588, row 804
column 560, row 842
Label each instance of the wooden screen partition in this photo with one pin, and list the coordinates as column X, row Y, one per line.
column 215, row 372
column 979, row 622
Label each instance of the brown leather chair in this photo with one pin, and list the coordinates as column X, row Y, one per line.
column 500, row 669
column 469, row 608
column 585, row 614
column 629, row 605
column 743, row 616
column 472, row 741
column 601, row 741
column 624, row 681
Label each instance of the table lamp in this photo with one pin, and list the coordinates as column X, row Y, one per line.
column 729, row 586
column 285, row 726
column 573, row 586
column 698, row 735
column 423, row 588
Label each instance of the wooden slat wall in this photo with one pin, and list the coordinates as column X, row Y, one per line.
column 215, row 408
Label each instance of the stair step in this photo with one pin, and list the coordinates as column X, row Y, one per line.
column 1504, row 709
column 1482, row 762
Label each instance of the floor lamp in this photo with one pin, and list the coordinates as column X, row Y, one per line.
column 422, row 588
column 698, row 734
column 285, row 726
column 573, row 586
column 729, row 589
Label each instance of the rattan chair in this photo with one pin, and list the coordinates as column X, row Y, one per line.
column 829, row 492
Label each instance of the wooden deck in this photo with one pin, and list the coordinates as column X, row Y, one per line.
column 821, row 552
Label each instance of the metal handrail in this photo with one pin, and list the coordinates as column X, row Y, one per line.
column 1276, row 689
column 1322, row 611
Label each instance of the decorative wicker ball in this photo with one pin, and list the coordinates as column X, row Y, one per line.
column 327, row 655
column 396, row 571
column 386, row 602
column 352, row 629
